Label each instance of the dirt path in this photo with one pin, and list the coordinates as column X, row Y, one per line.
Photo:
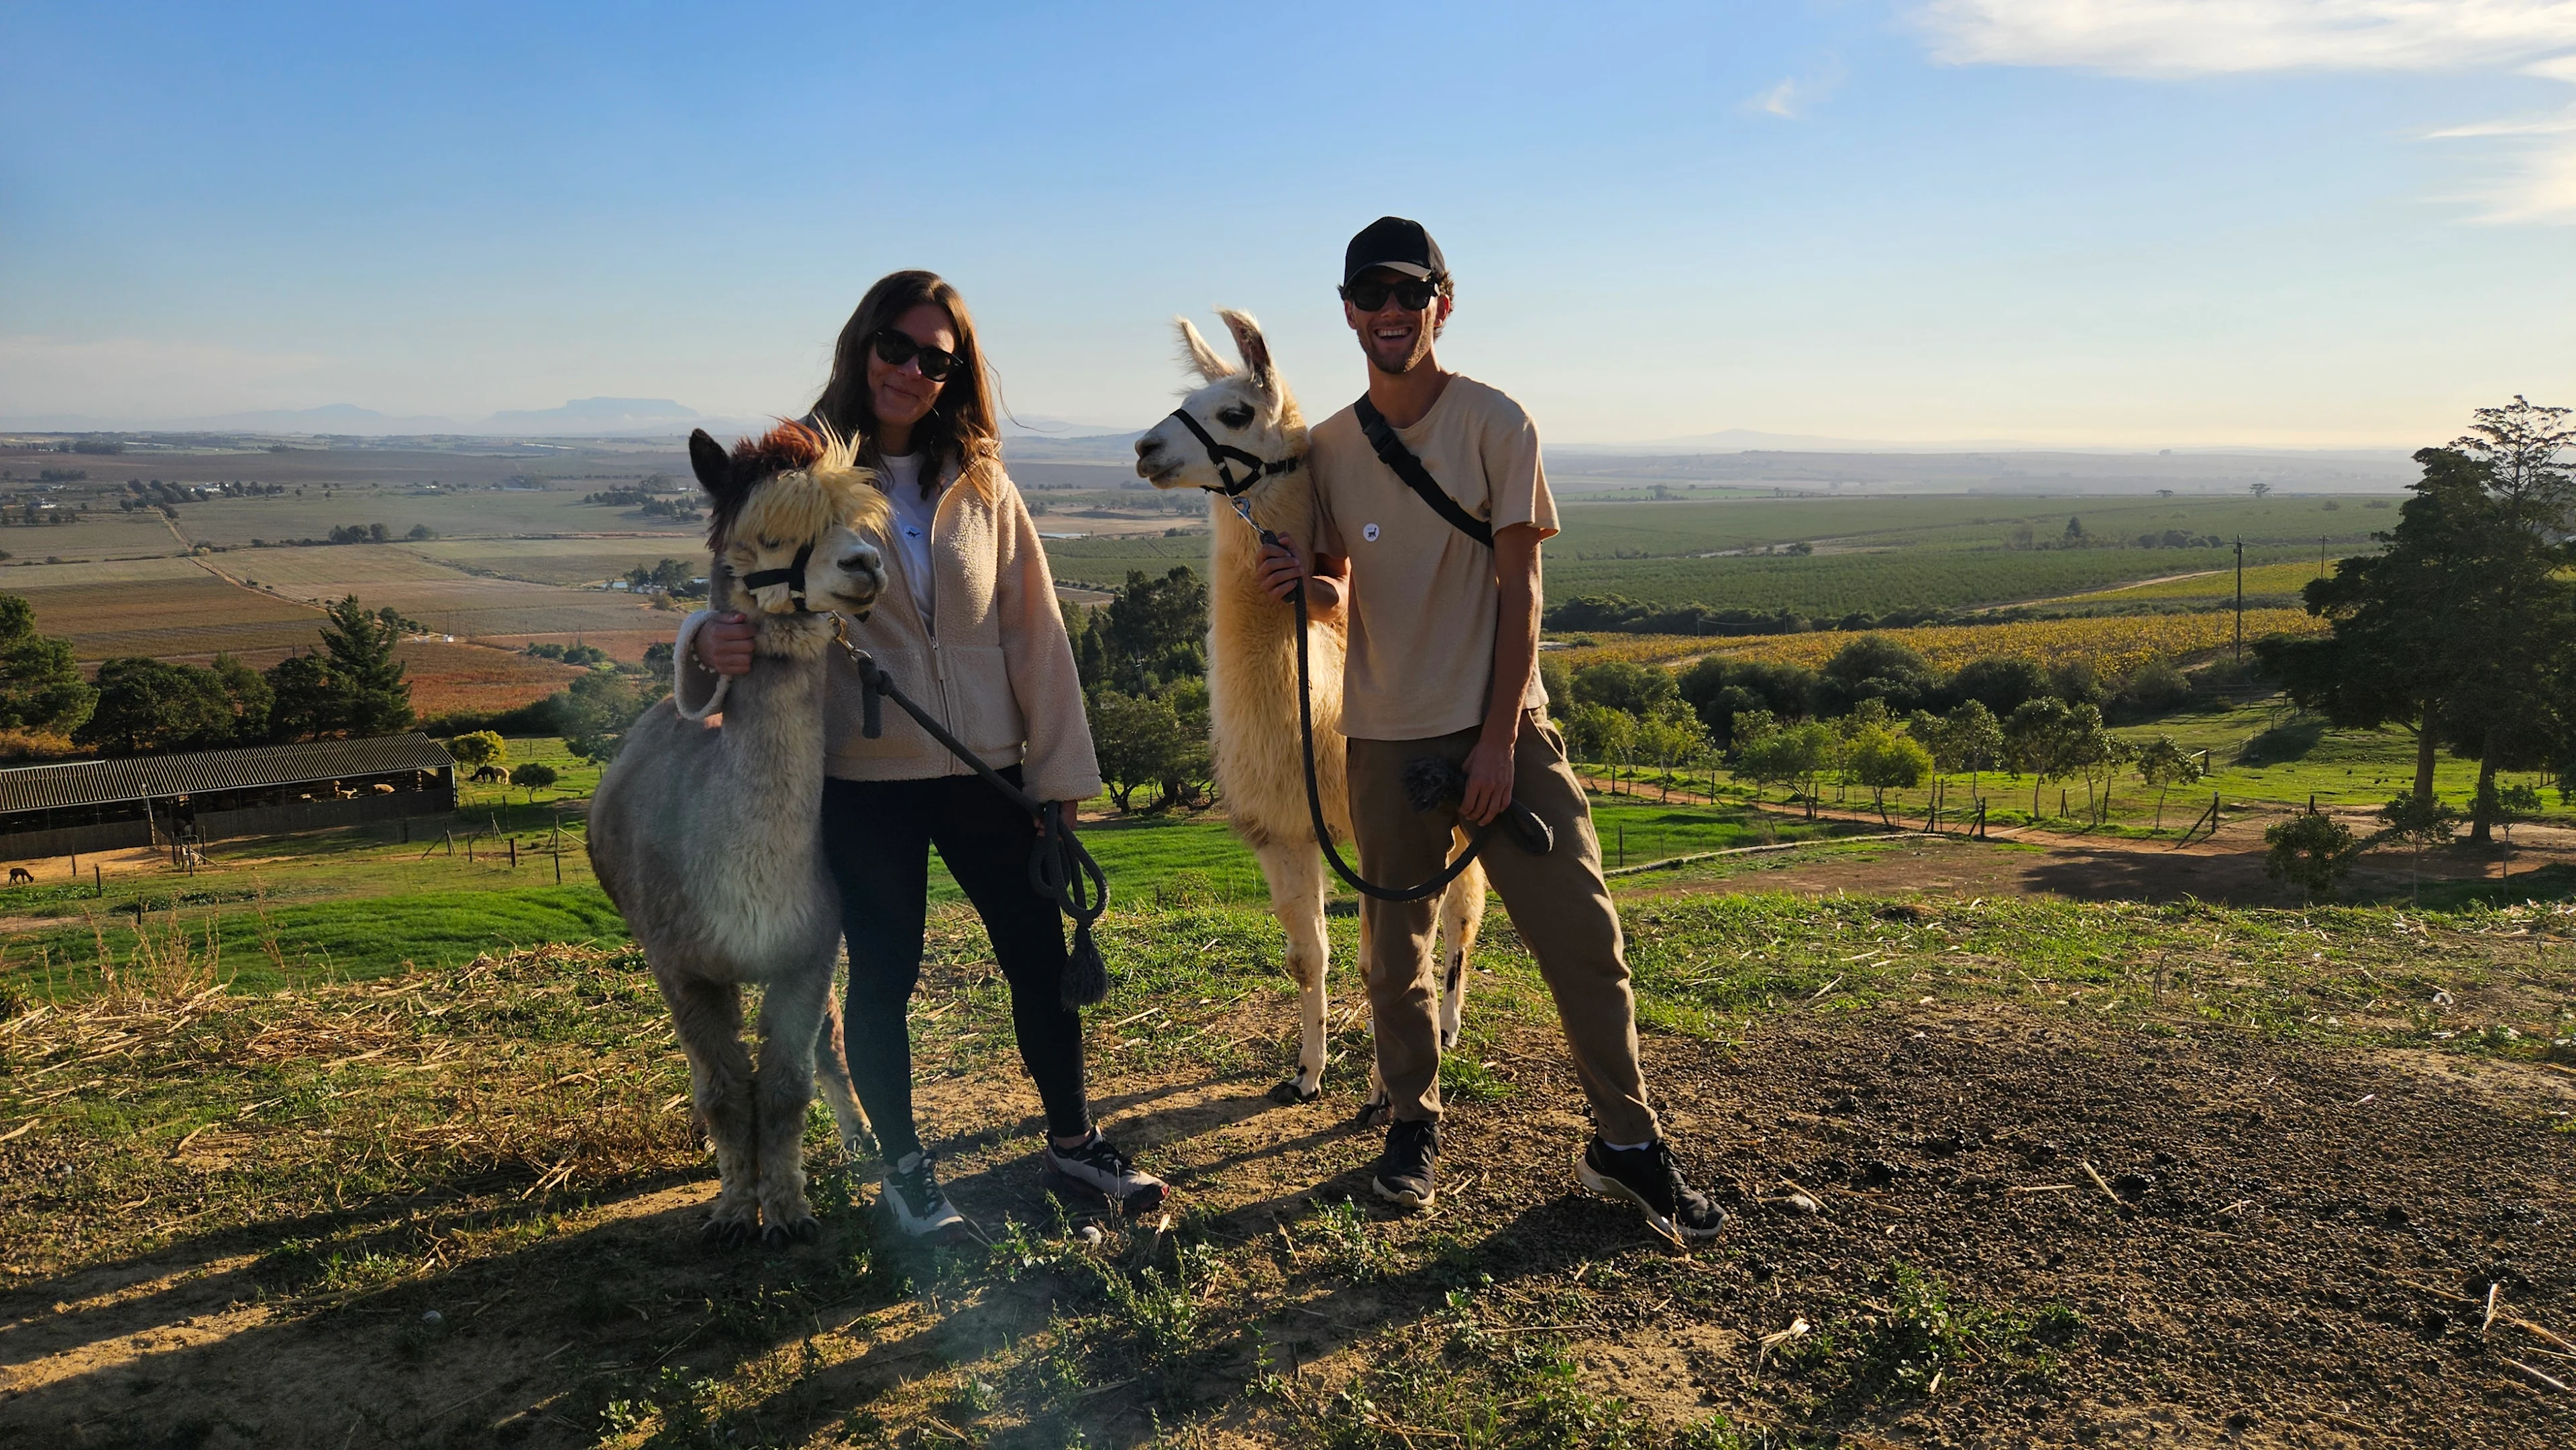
column 2296, row 1250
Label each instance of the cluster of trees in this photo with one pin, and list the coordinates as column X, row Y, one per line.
column 585, row 655
column 1143, row 662
column 2462, row 629
column 670, row 576
column 1617, row 613
column 36, row 515
column 375, row 534
column 1636, row 716
column 353, row 686
column 2177, row 539
column 1877, row 667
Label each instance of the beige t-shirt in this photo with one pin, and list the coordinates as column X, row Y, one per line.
column 1423, row 602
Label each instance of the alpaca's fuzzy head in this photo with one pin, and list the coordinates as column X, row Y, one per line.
column 795, row 490
column 1247, row 407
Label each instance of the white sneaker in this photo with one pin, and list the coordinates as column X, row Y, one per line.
column 1097, row 1170
column 911, row 1192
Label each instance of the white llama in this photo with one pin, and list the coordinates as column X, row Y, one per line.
column 1252, row 676
column 709, row 838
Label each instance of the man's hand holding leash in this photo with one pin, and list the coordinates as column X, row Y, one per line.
column 1283, row 568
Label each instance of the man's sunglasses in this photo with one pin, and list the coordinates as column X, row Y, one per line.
column 894, row 349
column 1370, row 296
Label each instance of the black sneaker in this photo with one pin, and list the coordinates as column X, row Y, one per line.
column 1098, row 1171
column 913, row 1196
column 1649, row 1178
column 1404, row 1171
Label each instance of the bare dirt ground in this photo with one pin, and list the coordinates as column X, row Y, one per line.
column 2288, row 1246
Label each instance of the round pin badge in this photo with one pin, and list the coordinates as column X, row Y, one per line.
column 1369, row 532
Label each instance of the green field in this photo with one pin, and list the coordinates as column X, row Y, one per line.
column 1880, row 555
column 362, row 901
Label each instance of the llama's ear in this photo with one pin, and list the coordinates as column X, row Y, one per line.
column 1203, row 358
column 1249, row 342
column 708, row 460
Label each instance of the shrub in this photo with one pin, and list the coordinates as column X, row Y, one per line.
column 2309, row 851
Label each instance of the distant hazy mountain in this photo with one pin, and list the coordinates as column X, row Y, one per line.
column 600, row 415
column 1742, row 440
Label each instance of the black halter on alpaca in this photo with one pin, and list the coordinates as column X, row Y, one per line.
column 1224, row 456
column 793, row 576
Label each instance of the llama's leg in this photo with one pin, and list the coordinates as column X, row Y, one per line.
column 832, row 1068
column 791, row 1017
column 707, row 1016
column 1462, row 911
column 1296, row 876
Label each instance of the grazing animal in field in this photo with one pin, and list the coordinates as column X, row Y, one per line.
column 710, row 837
column 1252, row 678
column 21, row 873
column 485, row 775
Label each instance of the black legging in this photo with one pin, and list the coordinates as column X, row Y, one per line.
column 878, row 835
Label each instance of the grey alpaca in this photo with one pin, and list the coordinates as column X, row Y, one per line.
column 708, row 835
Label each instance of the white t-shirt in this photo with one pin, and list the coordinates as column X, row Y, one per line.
column 912, row 516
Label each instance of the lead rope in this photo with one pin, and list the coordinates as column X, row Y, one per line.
column 1314, row 795
column 1060, row 869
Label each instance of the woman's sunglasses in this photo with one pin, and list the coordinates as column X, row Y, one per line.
column 894, row 349
column 1370, row 296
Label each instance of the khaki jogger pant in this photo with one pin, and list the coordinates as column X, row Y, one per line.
column 1558, row 902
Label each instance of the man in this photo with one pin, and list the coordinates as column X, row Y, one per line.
column 1443, row 647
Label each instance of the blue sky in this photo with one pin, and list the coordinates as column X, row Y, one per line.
column 2130, row 222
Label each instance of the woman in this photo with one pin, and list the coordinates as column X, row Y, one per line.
column 974, row 636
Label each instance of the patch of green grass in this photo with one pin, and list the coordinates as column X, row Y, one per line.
column 260, row 948
column 1874, row 1352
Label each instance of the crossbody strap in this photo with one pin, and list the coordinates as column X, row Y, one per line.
column 1392, row 452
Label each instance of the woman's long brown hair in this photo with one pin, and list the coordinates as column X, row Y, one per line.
column 960, row 428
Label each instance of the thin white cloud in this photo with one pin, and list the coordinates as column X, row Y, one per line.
column 1781, row 100
column 2560, row 124
column 2203, row 37
column 2177, row 38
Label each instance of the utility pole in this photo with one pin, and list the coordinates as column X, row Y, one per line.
column 2240, row 599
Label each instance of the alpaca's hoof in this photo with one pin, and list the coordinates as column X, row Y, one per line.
column 1373, row 1113
column 725, row 1233
column 1288, row 1093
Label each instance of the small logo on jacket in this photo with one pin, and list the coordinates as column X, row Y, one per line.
column 1369, row 532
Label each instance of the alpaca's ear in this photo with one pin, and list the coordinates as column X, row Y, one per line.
column 708, row 459
column 1249, row 342
column 1203, row 358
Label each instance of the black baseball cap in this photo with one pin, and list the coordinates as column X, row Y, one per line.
column 1396, row 244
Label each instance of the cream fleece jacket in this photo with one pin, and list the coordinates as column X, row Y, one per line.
column 996, row 671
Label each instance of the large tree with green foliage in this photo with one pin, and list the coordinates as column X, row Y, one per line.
column 595, row 710
column 1154, row 630
column 1639, row 690
column 147, row 705
column 359, row 643
column 2459, row 630
column 40, row 685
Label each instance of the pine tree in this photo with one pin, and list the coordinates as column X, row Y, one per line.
column 374, row 698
